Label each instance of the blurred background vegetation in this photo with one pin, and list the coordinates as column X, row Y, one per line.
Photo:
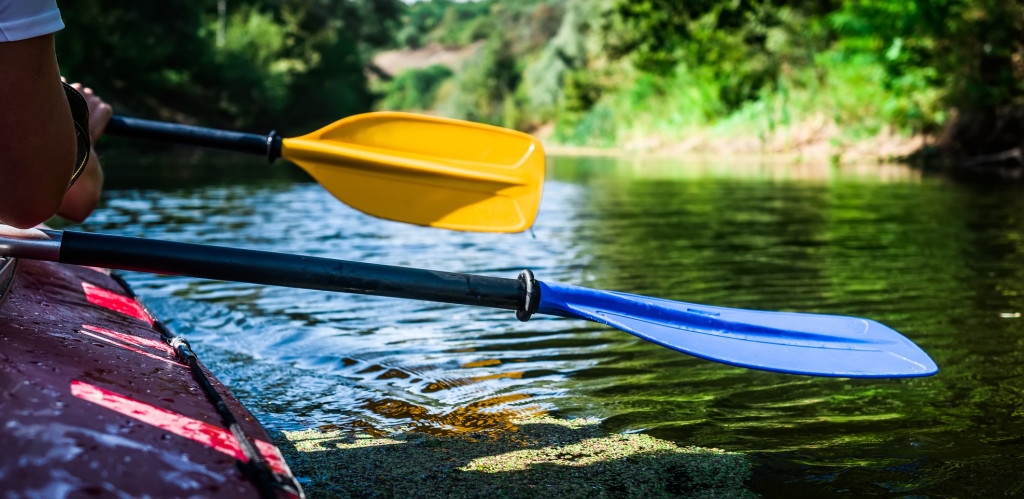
column 251, row 64
column 614, row 73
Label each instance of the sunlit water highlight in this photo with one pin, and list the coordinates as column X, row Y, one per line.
column 939, row 261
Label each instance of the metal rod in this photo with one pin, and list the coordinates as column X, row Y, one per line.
column 297, row 271
column 34, row 244
column 193, row 135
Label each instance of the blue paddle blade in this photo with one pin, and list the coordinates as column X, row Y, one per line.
column 812, row 344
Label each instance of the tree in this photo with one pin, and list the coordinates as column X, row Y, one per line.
column 255, row 64
column 972, row 50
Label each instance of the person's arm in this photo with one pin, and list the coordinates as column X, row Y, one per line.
column 84, row 195
column 37, row 135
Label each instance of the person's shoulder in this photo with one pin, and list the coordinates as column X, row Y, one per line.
column 24, row 19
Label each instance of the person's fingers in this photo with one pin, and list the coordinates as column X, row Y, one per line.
column 85, row 91
column 102, row 114
column 99, row 116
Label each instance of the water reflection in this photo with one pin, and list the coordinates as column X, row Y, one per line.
column 306, row 358
column 939, row 262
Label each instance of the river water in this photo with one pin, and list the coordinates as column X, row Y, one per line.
column 937, row 260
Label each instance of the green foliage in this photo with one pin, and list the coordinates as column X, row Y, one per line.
column 605, row 72
column 644, row 105
column 581, row 90
column 490, row 86
column 744, row 46
column 415, row 89
column 446, row 22
column 599, row 126
column 569, row 50
column 253, row 64
column 970, row 51
column 614, row 72
column 486, row 85
column 128, row 54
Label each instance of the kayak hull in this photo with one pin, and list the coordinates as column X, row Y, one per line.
column 94, row 401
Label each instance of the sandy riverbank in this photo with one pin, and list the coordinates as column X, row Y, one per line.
column 815, row 140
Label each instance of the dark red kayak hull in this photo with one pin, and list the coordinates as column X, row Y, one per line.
column 93, row 401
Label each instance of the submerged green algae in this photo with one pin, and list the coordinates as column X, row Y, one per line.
column 534, row 457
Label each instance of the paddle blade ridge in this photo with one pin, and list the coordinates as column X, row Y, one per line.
column 795, row 343
column 427, row 170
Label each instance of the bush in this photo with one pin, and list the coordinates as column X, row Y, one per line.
column 415, row 89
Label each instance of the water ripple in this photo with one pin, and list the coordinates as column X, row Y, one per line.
column 938, row 261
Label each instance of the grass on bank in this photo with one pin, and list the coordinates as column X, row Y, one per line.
column 842, row 82
column 840, row 106
column 535, row 457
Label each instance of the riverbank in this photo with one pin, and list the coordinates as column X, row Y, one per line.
column 814, row 141
column 532, row 457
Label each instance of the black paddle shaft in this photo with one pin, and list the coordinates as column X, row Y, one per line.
column 264, row 145
column 297, row 271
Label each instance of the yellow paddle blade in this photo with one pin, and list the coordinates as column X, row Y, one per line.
column 426, row 170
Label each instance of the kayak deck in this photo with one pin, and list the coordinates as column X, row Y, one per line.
column 93, row 400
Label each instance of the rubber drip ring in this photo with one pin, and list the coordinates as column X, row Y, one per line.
column 531, row 295
column 273, row 146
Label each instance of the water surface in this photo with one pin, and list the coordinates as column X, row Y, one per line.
column 937, row 260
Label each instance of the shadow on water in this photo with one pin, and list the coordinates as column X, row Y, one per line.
column 166, row 167
column 936, row 260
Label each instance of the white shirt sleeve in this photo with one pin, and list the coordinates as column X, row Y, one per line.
column 23, row 19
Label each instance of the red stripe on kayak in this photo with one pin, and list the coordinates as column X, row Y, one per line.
column 130, row 339
column 99, row 296
column 199, row 431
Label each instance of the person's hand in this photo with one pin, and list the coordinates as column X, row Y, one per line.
column 99, row 111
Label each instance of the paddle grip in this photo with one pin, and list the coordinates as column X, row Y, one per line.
column 263, row 145
column 297, row 271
